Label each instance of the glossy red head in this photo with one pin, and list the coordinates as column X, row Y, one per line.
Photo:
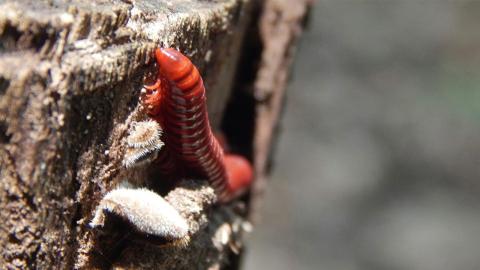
column 172, row 64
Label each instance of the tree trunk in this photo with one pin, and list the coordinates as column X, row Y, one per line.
column 70, row 78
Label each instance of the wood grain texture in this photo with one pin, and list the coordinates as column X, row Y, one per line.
column 70, row 75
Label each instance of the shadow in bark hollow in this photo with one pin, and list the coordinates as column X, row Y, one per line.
column 4, row 137
column 4, row 84
column 109, row 242
column 12, row 39
column 239, row 119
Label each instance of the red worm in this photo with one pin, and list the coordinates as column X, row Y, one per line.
column 178, row 102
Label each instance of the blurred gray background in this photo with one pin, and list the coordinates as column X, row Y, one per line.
column 378, row 161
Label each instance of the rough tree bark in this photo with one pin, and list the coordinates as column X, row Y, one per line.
column 280, row 27
column 70, row 77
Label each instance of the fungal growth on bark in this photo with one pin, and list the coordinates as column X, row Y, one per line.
column 143, row 143
column 147, row 213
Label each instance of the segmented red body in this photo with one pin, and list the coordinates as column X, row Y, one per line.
column 178, row 102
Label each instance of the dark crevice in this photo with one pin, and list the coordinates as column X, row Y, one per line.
column 12, row 238
column 4, row 84
column 238, row 122
column 4, row 136
column 110, row 241
column 32, row 261
column 239, row 119
column 30, row 202
column 12, row 39
column 9, row 38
